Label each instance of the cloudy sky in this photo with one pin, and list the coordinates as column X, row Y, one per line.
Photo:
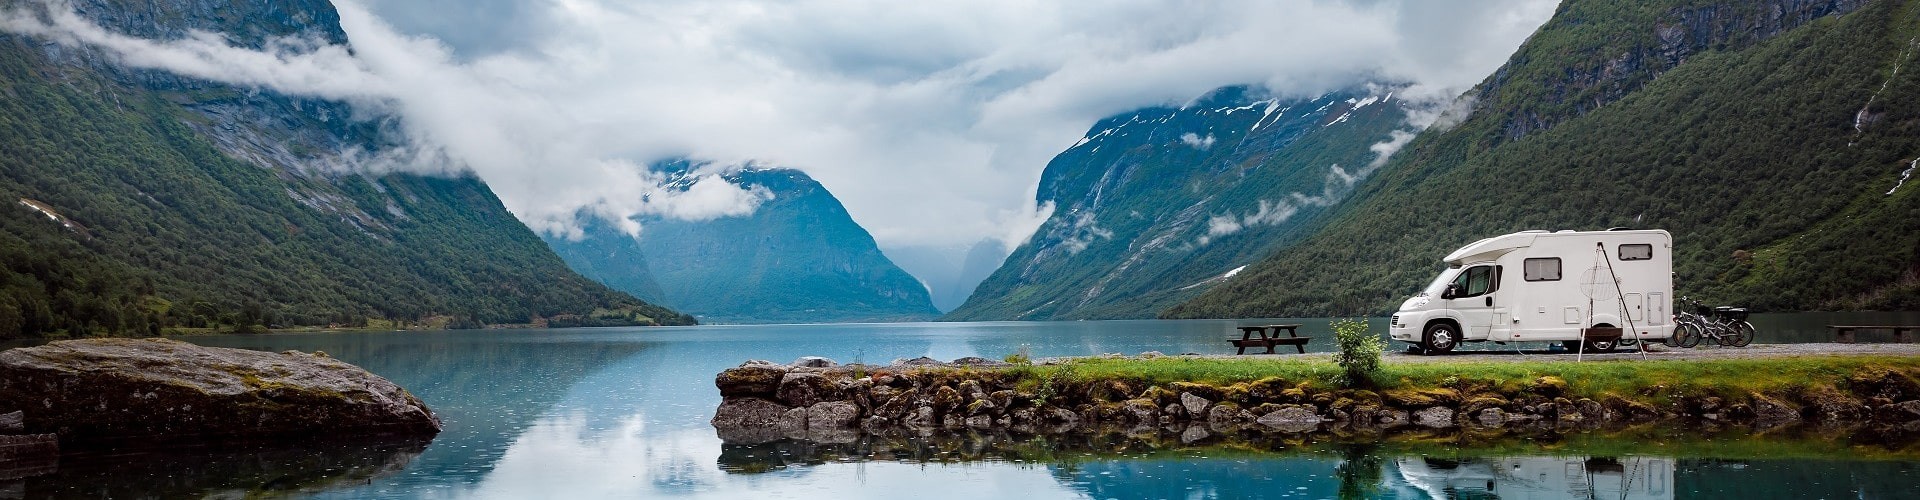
column 931, row 120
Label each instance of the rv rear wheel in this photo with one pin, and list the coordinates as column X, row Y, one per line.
column 1593, row 346
column 1441, row 338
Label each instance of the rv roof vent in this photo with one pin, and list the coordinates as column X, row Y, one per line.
column 1619, row 228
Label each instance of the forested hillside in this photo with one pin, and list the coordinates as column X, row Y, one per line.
column 1156, row 205
column 139, row 200
column 1776, row 140
column 798, row 258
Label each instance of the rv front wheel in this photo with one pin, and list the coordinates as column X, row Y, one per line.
column 1441, row 338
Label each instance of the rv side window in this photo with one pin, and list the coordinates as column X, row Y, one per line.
column 1541, row 269
column 1636, row 252
column 1476, row 281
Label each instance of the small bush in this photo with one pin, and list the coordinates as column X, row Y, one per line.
column 1023, row 356
column 1359, row 354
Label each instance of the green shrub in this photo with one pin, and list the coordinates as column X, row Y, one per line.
column 1360, row 350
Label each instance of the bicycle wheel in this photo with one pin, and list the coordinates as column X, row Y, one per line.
column 1673, row 338
column 1686, row 335
column 1742, row 334
column 1722, row 333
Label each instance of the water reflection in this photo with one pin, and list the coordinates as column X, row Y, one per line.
column 222, row 472
column 623, row 413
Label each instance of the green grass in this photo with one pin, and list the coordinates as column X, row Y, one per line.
column 1651, row 381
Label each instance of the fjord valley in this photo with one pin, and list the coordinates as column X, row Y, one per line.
column 141, row 201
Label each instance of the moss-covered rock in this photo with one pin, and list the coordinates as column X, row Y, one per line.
column 104, row 389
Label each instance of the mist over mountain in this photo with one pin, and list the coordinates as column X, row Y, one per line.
column 797, row 258
column 1775, row 139
column 1154, row 206
column 142, row 199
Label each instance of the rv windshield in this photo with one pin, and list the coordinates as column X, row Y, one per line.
column 1439, row 283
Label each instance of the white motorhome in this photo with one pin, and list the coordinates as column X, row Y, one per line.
column 1540, row 286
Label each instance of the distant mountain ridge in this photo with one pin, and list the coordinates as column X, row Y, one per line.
column 799, row 257
column 1770, row 137
column 1154, row 206
column 209, row 204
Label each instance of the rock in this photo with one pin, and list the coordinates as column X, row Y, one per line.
column 1590, row 410
column 801, row 389
column 1391, row 418
column 1550, row 386
column 1002, row 399
column 1151, row 354
column 1194, row 404
column 1905, row 411
column 753, row 378
column 1291, row 418
column 1768, row 412
column 980, row 421
column 748, row 412
column 921, row 417
column 99, row 389
column 1225, row 415
column 1491, row 417
column 832, row 415
column 920, row 361
column 1194, row 433
column 1141, row 411
column 976, row 361
column 13, row 423
column 971, row 389
column 1438, row 417
column 945, row 399
column 814, row 362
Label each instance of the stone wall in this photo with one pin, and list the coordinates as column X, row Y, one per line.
column 817, row 400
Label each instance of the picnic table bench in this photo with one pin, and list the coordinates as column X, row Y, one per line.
column 1256, row 336
column 1845, row 332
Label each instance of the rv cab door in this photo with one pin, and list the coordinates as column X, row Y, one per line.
column 1475, row 295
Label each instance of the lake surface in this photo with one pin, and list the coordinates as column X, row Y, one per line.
column 622, row 412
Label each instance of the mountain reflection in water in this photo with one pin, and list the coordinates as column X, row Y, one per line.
column 595, row 413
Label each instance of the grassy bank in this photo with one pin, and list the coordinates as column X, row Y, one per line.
column 1594, row 380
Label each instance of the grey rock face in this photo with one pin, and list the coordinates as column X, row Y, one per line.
column 1438, row 417
column 125, row 388
column 1195, row 405
column 753, row 378
column 1293, row 418
column 804, row 389
column 814, row 362
column 13, row 422
column 748, row 412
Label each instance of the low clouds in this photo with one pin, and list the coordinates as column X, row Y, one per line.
column 930, row 120
column 1196, row 142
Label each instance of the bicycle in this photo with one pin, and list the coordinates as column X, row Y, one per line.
column 1726, row 325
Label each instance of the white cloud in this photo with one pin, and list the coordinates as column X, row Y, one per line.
column 1193, row 140
column 930, row 120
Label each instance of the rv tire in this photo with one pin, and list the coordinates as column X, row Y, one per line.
column 1441, row 338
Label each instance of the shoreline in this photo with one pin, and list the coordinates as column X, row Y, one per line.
column 1874, row 388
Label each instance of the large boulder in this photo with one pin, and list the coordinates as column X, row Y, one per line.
column 112, row 389
column 753, row 378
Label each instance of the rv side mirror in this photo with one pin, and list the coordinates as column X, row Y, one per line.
column 1451, row 292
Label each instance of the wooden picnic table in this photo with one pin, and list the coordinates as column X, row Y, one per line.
column 1844, row 333
column 1257, row 336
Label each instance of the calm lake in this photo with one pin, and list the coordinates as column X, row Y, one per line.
column 622, row 412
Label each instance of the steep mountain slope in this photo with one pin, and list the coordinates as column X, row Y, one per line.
column 1155, row 206
column 798, row 258
column 141, row 200
column 1772, row 138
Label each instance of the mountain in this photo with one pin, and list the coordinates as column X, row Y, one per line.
column 1775, row 139
column 798, row 258
column 950, row 272
column 141, row 200
column 1154, row 206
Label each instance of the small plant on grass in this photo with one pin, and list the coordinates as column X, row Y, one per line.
column 1359, row 355
column 1023, row 356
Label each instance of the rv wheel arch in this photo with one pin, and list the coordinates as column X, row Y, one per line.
column 1440, row 336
